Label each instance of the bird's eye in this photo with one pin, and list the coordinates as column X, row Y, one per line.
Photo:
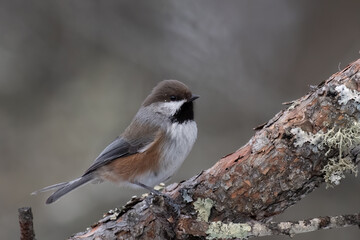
column 173, row 98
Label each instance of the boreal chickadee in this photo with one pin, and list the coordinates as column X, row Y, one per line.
column 151, row 149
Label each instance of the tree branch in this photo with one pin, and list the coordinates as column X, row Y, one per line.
column 261, row 229
column 314, row 140
column 309, row 225
column 26, row 224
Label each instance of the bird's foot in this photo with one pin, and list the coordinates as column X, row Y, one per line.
column 167, row 200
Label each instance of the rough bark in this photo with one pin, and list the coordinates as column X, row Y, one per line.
column 26, row 224
column 311, row 141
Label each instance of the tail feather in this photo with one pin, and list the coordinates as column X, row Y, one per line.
column 64, row 188
column 50, row 188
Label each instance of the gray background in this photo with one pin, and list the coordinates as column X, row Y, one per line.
column 73, row 74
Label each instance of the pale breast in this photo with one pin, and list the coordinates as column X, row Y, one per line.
column 177, row 145
column 181, row 138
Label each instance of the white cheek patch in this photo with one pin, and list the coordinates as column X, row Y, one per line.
column 170, row 108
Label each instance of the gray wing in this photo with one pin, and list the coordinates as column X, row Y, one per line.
column 135, row 138
column 118, row 148
column 121, row 147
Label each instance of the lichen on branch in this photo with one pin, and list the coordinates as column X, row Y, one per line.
column 311, row 142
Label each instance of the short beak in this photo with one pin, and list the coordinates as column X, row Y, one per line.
column 193, row 97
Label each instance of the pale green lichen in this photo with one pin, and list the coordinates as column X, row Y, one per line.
column 342, row 140
column 203, row 208
column 218, row 229
column 159, row 187
column 230, row 230
column 335, row 168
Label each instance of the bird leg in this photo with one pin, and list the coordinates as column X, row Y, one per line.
column 152, row 190
column 168, row 200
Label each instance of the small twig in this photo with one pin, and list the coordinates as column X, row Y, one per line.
column 26, row 224
column 254, row 229
column 291, row 228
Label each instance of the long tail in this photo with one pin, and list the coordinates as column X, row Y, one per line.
column 64, row 188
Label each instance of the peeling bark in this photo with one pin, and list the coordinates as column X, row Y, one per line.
column 281, row 164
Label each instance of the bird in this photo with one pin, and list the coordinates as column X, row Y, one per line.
column 150, row 150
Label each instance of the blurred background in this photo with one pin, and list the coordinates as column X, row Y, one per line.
column 74, row 73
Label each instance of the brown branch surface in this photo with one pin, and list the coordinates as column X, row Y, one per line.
column 281, row 164
column 26, row 224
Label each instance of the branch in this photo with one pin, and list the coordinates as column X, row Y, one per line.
column 26, row 224
column 314, row 140
column 309, row 225
column 258, row 229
